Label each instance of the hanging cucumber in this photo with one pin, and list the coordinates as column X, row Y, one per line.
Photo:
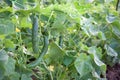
column 118, row 5
column 35, row 41
column 60, row 40
column 43, row 51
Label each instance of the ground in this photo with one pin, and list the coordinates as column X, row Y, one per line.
column 113, row 73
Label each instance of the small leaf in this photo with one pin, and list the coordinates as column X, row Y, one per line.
column 101, row 35
column 116, row 28
column 86, row 31
column 8, row 43
column 68, row 60
column 25, row 22
column 110, row 18
column 94, row 30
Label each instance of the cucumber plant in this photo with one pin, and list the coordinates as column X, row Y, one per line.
column 80, row 38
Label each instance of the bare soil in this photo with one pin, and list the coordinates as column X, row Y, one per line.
column 113, row 73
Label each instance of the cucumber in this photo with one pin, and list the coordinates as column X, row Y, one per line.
column 35, row 40
column 43, row 52
column 118, row 5
column 60, row 40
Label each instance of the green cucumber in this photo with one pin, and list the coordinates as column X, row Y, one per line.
column 43, row 52
column 60, row 40
column 35, row 41
column 118, row 5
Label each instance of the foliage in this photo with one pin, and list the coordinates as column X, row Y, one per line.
column 76, row 39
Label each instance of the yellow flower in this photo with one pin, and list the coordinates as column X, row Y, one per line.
column 17, row 30
column 42, row 24
column 51, row 68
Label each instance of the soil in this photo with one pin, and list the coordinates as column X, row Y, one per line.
column 113, row 73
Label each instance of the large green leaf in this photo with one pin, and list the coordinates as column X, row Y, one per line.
column 55, row 53
column 10, row 66
column 25, row 77
column 2, row 71
column 3, row 57
column 97, row 56
column 14, row 76
column 25, row 22
column 59, row 23
column 5, row 14
column 83, row 64
column 6, row 27
column 3, row 62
